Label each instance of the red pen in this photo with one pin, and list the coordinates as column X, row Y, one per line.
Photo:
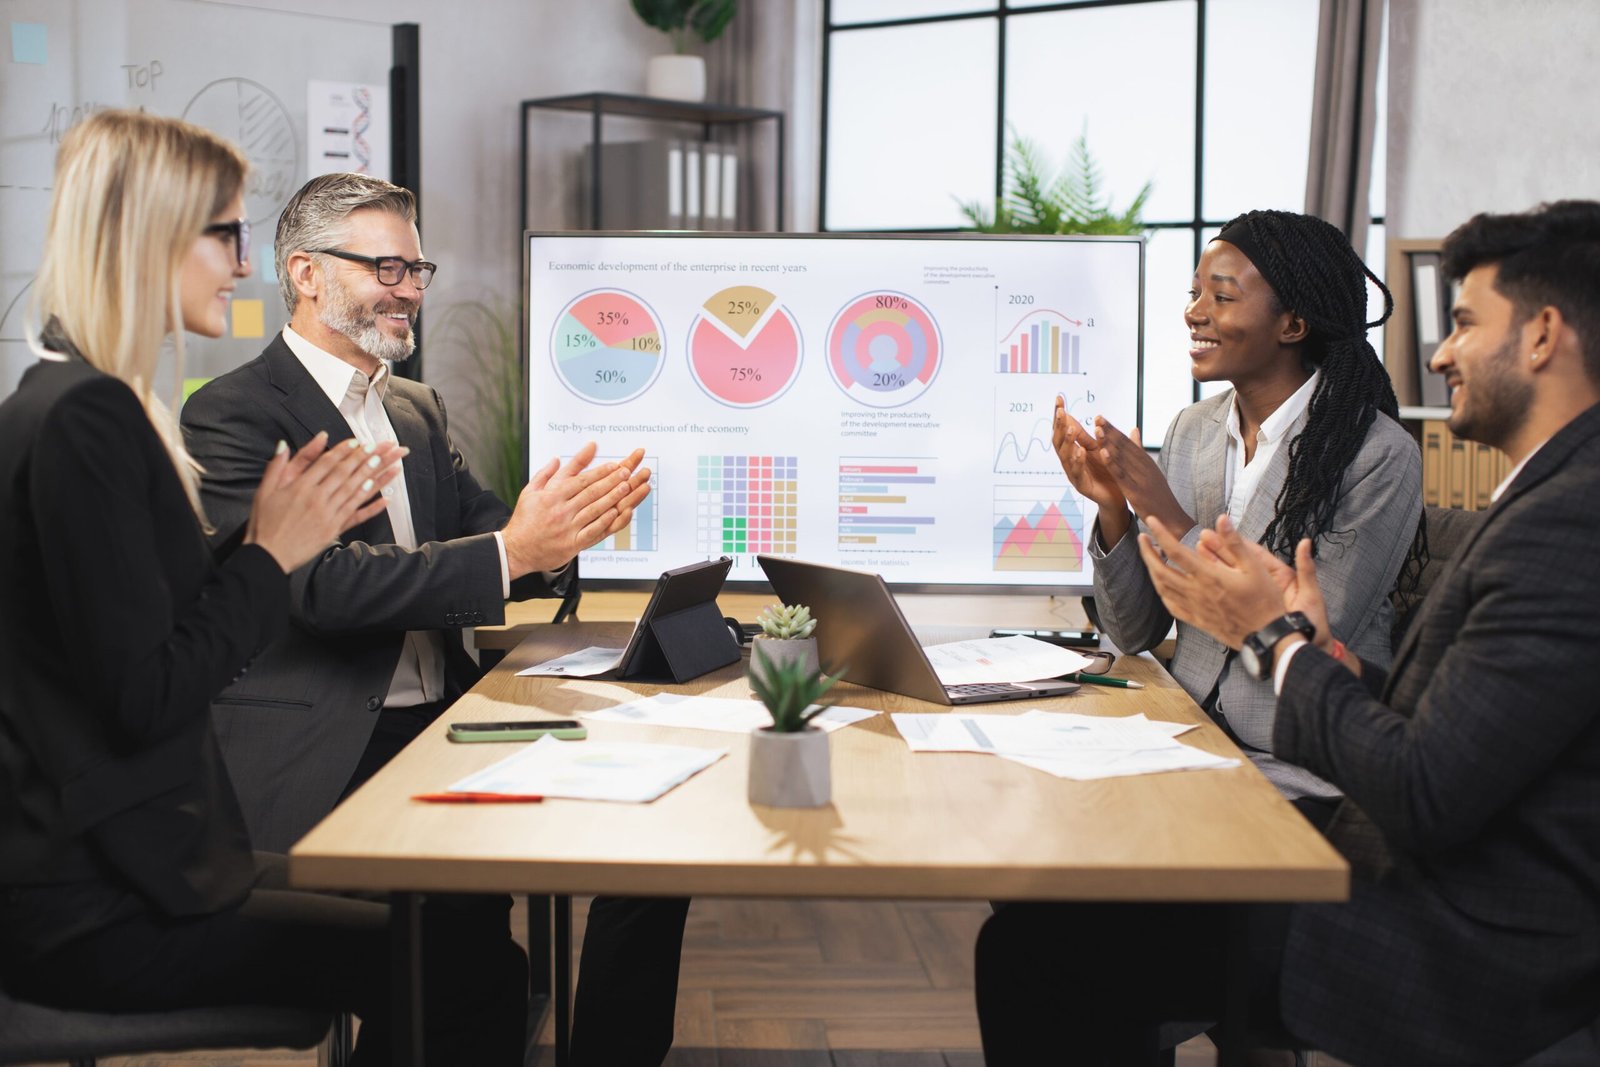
column 478, row 798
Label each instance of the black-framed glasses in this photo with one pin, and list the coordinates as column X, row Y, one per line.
column 237, row 233
column 390, row 269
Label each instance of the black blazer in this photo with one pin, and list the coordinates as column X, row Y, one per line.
column 116, row 628
column 1473, row 774
column 294, row 728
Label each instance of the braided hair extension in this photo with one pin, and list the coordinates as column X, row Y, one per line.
column 1315, row 273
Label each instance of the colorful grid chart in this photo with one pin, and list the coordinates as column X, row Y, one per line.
column 643, row 534
column 1041, row 343
column 747, row 504
column 1034, row 530
column 885, row 504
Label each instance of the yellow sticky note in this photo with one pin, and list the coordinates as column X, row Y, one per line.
column 249, row 318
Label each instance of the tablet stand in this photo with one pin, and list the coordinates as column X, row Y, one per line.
column 684, row 644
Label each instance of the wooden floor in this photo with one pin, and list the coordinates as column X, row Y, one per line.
column 799, row 984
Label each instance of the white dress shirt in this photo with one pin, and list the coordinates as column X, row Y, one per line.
column 1241, row 479
column 419, row 676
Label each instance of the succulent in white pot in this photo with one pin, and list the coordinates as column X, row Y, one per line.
column 786, row 635
column 789, row 760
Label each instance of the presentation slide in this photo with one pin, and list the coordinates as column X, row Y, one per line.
column 882, row 403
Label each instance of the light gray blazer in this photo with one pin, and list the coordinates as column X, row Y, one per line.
column 1358, row 560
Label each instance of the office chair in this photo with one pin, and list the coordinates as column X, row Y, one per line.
column 30, row 1033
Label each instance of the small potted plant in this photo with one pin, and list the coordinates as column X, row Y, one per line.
column 789, row 765
column 785, row 635
column 680, row 76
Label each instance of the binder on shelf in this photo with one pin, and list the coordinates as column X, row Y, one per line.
column 1430, row 319
column 1434, row 435
column 730, row 188
column 691, row 185
column 1458, row 473
column 642, row 185
column 711, row 187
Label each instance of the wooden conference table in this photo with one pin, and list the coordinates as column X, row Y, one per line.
column 902, row 825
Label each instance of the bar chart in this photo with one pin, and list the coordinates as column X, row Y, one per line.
column 887, row 503
column 1044, row 342
column 643, row 534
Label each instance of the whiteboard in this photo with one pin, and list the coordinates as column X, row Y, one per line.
column 242, row 72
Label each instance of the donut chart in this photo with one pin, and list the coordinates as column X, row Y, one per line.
column 606, row 346
column 744, row 347
column 884, row 349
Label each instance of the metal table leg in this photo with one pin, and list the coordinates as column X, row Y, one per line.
column 405, row 976
column 562, row 1003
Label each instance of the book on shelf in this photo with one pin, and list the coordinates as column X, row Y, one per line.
column 663, row 184
column 1457, row 473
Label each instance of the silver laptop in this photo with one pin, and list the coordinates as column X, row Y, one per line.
column 860, row 629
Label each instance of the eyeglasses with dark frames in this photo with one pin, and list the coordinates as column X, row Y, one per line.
column 237, row 233
column 390, row 269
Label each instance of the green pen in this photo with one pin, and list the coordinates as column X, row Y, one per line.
column 1101, row 679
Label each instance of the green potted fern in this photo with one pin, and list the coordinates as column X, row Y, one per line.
column 681, row 76
column 789, row 764
column 1069, row 200
column 786, row 635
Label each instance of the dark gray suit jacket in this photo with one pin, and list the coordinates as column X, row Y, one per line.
column 1374, row 521
column 294, row 727
column 1473, row 777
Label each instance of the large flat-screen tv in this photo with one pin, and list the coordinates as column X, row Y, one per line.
column 880, row 402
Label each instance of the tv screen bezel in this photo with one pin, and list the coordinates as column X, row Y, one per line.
column 757, row 585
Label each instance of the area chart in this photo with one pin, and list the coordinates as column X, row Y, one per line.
column 606, row 346
column 1037, row 532
column 884, row 349
column 744, row 347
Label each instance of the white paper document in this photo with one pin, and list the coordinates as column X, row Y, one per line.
column 714, row 713
column 592, row 770
column 584, row 663
column 1002, row 659
column 1063, row 744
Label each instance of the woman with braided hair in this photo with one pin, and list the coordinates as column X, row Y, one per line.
column 1305, row 444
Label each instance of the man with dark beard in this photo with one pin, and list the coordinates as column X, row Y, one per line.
column 1469, row 769
column 374, row 650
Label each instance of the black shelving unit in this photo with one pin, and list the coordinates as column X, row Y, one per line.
column 598, row 106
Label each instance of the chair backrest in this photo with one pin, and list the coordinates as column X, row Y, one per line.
column 1448, row 529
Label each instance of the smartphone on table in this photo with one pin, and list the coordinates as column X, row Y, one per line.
column 526, row 730
column 1070, row 638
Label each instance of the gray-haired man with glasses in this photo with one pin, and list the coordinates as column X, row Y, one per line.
column 375, row 652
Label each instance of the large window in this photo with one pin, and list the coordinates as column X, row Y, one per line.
column 1209, row 100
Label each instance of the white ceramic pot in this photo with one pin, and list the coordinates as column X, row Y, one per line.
column 782, row 651
column 676, row 77
column 790, row 770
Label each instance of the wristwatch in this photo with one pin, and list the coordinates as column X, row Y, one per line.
column 1256, row 654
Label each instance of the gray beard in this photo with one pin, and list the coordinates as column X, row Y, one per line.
column 343, row 315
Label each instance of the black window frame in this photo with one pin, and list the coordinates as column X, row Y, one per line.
column 1003, row 12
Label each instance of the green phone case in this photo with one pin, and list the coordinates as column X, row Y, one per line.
column 527, row 733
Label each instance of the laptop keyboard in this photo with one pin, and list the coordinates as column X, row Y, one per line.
column 984, row 689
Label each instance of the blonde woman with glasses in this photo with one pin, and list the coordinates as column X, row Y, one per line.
column 127, row 880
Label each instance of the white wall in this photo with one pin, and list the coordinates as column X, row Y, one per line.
column 480, row 58
column 1492, row 107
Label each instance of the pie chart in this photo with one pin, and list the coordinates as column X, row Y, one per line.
column 606, row 346
column 744, row 347
column 884, row 349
